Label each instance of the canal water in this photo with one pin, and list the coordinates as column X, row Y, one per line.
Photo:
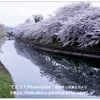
column 42, row 75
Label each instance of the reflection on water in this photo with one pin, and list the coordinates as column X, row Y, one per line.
column 64, row 71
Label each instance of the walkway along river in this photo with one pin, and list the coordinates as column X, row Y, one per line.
column 39, row 74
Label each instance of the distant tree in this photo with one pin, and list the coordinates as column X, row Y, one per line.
column 37, row 18
column 2, row 30
column 28, row 20
column 2, row 34
column 10, row 34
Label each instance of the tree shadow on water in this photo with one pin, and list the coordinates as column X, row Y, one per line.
column 65, row 71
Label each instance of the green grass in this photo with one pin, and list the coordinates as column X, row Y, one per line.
column 5, row 85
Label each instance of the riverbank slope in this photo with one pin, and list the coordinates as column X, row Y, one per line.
column 5, row 83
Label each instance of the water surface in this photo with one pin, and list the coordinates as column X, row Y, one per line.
column 29, row 67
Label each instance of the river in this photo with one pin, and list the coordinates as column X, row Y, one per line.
column 39, row 75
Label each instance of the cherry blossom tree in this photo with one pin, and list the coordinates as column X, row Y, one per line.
column 73, row 25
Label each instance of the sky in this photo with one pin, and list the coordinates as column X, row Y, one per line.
column 14, row 13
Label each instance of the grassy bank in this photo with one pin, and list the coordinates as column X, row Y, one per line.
column 5, row 83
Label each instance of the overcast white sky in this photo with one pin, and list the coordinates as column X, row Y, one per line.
column 14, row 13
